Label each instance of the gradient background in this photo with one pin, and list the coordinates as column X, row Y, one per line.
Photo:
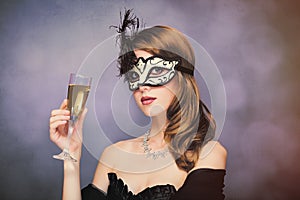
column 255, row 45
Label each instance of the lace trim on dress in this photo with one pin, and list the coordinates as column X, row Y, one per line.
column 118, row 190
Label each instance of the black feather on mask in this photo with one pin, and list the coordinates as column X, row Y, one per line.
column 129, row 24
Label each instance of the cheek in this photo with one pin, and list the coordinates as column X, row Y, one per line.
column 171, row 91
column 166, row 97
column 169, row 100
column 137, row 98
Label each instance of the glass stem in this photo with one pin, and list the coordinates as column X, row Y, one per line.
column 70, row 131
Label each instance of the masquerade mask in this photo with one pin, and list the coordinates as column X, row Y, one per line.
column 153, row 71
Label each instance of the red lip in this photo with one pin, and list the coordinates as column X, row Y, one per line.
column 147, row 100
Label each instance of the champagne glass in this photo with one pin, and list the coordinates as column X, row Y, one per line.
column 78, row 90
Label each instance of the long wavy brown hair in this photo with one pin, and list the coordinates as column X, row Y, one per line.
column 191, row 124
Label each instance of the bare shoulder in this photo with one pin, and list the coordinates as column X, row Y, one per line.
column 111, row 154
column 213, row 155
column 104, row 167
column 128, row 145
column 109, row 159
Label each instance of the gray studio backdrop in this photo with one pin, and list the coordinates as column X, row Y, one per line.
column 255, row 45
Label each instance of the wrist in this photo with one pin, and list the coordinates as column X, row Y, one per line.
column 71, row 166
column 75, row 152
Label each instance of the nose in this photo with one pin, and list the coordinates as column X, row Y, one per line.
column 144, row 88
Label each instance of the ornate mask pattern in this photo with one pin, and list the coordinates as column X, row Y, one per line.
column 153, row 71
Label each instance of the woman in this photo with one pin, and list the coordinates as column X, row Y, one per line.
column 179, row 159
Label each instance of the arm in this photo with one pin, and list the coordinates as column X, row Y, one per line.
column 71, row 185
column 206, row 179
column 58, row 135
column 99, row 186
column 105, row 166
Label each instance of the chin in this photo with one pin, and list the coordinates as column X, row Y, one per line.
column 155, row 110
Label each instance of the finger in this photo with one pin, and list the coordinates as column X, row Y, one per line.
column 53, row 127
column 59, row 118
column 84, row 112
column 59, row 112
column 82, row 116
column 64, row 104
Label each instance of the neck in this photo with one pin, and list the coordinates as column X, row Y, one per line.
column 158, row 126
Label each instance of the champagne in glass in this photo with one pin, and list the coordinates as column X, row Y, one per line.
column 77, row 96
column 78, row 90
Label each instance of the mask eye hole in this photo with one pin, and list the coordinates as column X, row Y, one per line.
column 158, row 71
column 132, row 76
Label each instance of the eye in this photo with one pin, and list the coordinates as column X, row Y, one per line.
column 158, row 71
column 132, row 76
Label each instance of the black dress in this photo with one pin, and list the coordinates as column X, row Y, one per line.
column 200, row 184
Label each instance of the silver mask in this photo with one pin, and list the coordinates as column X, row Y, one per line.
column 153, row 71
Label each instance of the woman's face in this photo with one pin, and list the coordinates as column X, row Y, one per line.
column 154, row 100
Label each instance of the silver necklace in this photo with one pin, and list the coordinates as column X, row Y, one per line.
column 156, row 154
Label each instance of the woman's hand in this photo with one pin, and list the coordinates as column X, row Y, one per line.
column 59, row 130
